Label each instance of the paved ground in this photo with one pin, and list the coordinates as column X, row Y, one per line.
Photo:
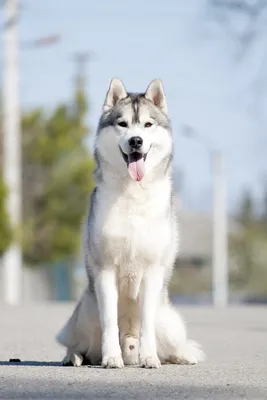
column 235, row 341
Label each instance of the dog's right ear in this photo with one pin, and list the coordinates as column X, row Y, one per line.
column 115, row 93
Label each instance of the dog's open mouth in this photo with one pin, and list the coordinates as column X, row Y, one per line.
column 135, row 163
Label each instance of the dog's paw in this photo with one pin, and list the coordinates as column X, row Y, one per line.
column 131, row 359
column 72, row 360
column 130, row 351
column 112, row 362
column 150, row 362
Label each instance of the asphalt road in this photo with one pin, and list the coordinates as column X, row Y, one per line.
column 235, row 342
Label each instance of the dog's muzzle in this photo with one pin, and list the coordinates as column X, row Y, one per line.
column 135, row 142
column 135, row 163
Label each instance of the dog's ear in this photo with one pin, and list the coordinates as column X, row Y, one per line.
column 155, row 93
column 115, row 93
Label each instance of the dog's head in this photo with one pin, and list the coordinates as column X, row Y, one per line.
column 134, row 131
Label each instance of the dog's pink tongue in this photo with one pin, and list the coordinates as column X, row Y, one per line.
column 137, row 169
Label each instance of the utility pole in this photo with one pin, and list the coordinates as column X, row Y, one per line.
column 219, row 220
column 12, row 169
column 220, row 242
column 12, row 259
column 81, row 59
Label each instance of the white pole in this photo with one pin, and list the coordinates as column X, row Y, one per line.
column 220, row 233
column 12, row 259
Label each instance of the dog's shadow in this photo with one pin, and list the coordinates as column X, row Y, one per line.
column 29, row 363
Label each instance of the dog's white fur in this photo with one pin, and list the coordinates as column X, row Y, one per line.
column 131, row 244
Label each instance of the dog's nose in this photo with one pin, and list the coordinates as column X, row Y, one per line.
column 135, row 142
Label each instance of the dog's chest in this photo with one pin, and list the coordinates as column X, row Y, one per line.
column 133, row 232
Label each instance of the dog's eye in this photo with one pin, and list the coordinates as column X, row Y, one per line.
column 148, row 124
column 123, row 124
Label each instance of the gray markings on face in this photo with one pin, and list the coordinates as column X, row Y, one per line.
column 137, row 101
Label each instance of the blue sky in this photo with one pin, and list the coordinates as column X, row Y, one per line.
column 138, row 41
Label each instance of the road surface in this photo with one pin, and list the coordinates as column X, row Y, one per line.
column 235, row 341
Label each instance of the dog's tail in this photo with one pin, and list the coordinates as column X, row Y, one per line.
column 172, row 341
column 190, row 352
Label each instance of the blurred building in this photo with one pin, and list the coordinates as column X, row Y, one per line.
column 192, row 276
column 66, row 281
column 196, row 238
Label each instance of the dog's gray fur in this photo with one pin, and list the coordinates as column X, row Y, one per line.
column 131, row 242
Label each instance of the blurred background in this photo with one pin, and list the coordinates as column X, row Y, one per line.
column 57, row 59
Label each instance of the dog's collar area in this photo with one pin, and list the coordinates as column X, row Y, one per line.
column 135, row 156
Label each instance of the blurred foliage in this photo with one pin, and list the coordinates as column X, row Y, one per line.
column 190, row 279
column 248, row 250
column 5, row 228
column 56, row 181
column 247, row 256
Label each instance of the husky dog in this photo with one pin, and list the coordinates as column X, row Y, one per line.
column 131, row 240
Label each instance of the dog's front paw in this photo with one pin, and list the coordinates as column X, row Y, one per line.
column 131, row 359
column 112, row 362
column 150, row 361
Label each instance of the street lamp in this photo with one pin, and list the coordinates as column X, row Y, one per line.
column 219, row 230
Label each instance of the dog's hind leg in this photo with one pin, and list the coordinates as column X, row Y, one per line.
column 129, row 326
column 172, row 343
column 130, row 349
column 72, row 359
column 81, row 335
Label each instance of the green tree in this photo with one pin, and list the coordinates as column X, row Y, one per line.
column 5, row 228
column 57, row 179
column 248, row 250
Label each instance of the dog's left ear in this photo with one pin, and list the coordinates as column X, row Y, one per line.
column 155, row 93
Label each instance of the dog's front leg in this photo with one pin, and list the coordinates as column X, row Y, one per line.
column 107, row 299
column 152, row 286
